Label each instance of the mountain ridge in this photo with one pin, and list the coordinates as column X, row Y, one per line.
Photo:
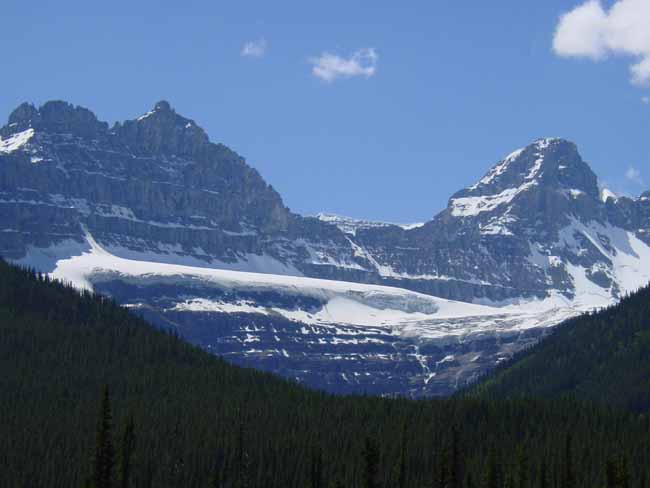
column 533, row 233
column 330, row 253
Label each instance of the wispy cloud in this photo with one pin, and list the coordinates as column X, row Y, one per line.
column 645, row 100
column 254, row 49
column 330, row 67
column 594, row 32
column 634, row 175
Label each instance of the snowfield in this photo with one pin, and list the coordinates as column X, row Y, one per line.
column 395, row 310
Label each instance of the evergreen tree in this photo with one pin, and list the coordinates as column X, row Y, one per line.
column 491, row 476
column 441, row 471
column 469, row 483
column 147, row 480
column 610, row 474
column 215, row 482
column 617, row 473
column 623, row 471
column 370, row 463
column 217, row 475
column 543, row 475
column 104, row 450
column 401, row 467
column 568, row 474
column 316, row 469
column 126, row 453
column 522, row 468
column 176, row 462
column 509, row 478
column 455, row 468
column 242, row 460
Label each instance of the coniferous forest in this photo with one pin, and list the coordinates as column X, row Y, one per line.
column 602, row 356
column 92, row 396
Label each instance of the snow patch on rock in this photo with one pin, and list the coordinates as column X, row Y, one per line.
column 15, row 141
column 350, row 225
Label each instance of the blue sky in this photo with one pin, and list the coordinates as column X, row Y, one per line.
column 437, row 93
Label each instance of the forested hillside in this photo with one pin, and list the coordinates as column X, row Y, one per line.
column 94, row 396
column 603, row 357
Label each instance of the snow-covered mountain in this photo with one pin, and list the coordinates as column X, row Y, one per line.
column 533, row 226
column 344, row 336
column 184, row 231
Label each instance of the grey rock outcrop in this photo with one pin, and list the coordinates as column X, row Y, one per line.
column 157, row 189
column 157, row 185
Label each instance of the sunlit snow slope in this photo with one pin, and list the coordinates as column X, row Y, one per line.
column 388, row 340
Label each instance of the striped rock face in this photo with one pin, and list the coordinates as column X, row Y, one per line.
column 182, row 230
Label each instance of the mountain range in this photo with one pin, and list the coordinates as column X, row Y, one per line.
column 185, row 232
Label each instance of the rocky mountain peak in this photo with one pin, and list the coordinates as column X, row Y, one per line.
column 160, row 167
column 547, row 166
column 163, row 106
column 23, row 114
column 549, row 161
column 163, row 131
column 55, row 117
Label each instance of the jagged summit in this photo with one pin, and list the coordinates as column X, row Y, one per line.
column 23, row 114
column 534, row 176
column 57, row 117
column 549, row 161
column 163, row 106
column 163, row 131
column 159, row 131
column 160, row 166
column 161, row 109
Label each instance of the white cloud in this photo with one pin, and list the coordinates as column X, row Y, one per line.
column 254, row 49
column 634, row 175
column 330, row 67
column 580, row 32
column 641, row 71
column 591, row 31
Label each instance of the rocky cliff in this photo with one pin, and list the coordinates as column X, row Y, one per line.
column 533, row 241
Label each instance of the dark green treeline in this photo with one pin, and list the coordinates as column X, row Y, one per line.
column 601, row 357
column 91, row 395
